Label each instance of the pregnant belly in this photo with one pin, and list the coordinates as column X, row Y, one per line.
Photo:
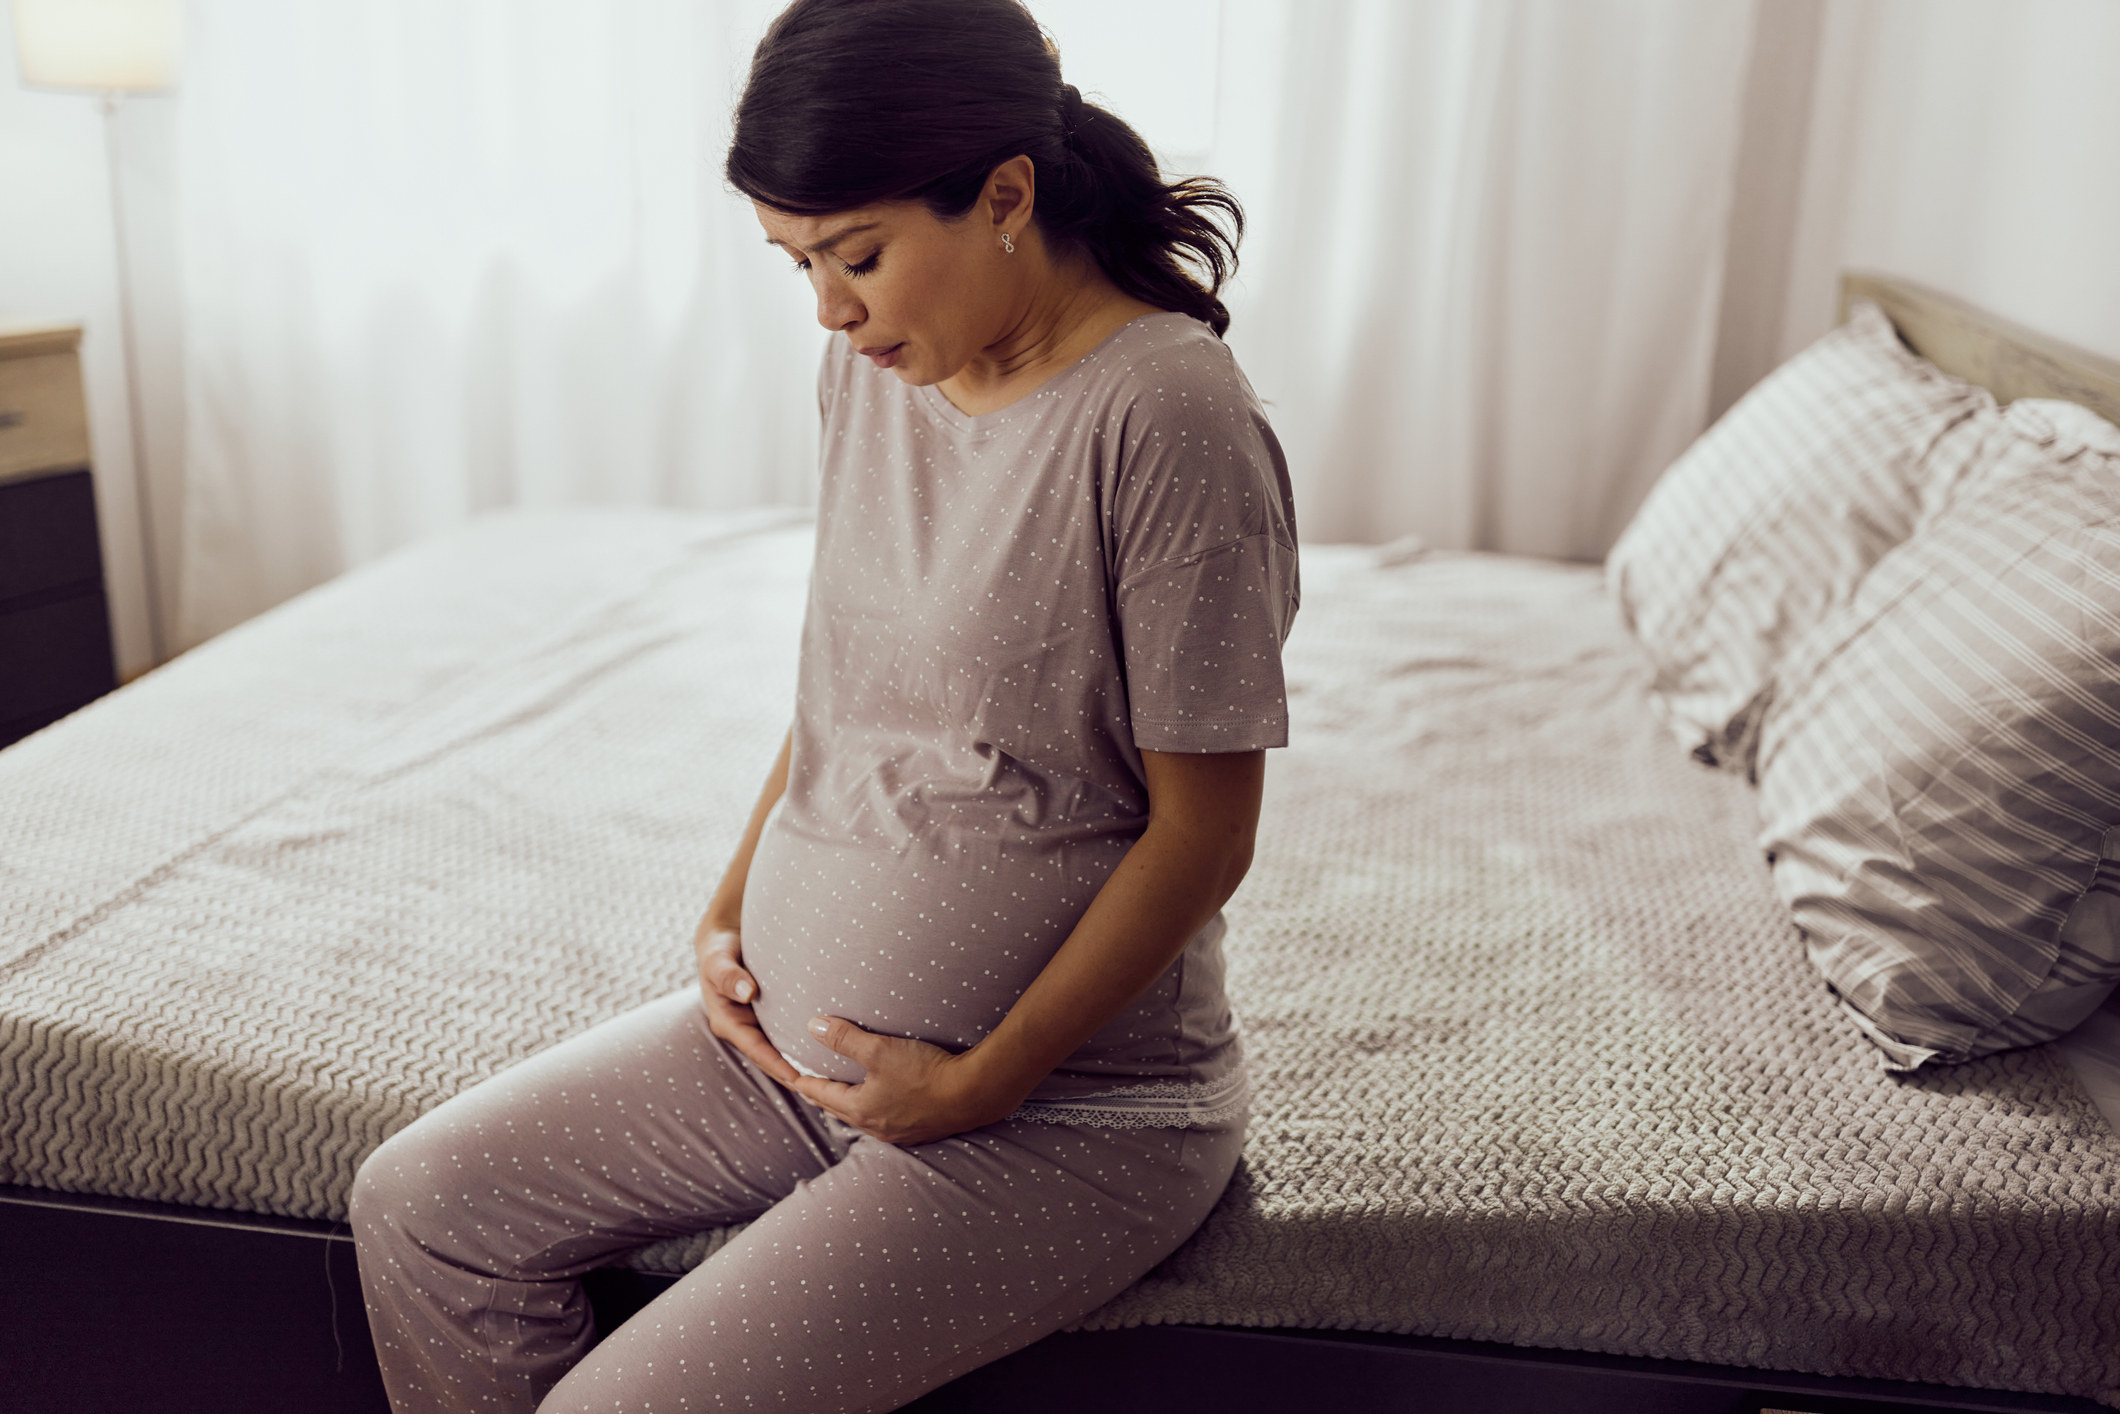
column 935, row 943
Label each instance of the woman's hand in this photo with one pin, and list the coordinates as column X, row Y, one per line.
column 727, row 990
column 913, row 1092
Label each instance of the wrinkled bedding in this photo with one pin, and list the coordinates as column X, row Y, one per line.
column 1537, row 1057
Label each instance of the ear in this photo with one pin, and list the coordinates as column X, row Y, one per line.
column 1011, row 195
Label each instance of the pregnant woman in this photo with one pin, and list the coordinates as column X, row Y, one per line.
column 960, row 1052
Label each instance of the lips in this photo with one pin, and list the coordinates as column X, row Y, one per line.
column 883, row 355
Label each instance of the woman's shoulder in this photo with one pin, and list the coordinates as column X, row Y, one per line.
column 1174, row 346
column 1167, row 368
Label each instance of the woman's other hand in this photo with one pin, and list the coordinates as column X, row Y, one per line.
column 913, row 1092
column 727, row 990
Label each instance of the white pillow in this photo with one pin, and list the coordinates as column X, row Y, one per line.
column 1771, row 519
column 1940, row 770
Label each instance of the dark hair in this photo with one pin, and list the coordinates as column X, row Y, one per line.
column 852, row 102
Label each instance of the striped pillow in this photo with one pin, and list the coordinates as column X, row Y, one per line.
column 1771, row 519
column 1940, row 771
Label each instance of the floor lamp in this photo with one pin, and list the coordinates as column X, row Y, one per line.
column 112, row 48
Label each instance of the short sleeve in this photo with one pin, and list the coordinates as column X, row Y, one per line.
column 1203, row 637
column 1204, row 558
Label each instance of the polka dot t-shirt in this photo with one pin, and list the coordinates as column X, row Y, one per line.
column 1004, row 612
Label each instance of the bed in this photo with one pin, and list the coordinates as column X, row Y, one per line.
column 1550, row 1111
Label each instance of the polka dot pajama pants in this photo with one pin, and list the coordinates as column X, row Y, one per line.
column 870, row 1275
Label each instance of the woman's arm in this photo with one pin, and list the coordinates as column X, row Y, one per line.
column 1203, row 813
column 725, row 988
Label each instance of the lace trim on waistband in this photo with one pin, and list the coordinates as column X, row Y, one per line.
column 1155, row 1104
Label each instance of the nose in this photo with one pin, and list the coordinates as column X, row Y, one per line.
column 837, row 309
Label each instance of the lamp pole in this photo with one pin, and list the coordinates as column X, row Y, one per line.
column 143, row 492
column 112, row 48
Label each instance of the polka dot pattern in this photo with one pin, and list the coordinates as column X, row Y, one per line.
column 1004, row 611
column 868, row 1274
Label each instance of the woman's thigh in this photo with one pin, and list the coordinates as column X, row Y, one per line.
column 645, row 1126
column 899, row 1269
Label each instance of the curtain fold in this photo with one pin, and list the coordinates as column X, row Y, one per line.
column 1489, row 253
column 442, row 257
column 446, row 255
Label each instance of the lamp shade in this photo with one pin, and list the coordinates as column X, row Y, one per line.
column 109, row 46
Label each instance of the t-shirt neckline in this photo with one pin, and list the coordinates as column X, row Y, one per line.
column 938, row 403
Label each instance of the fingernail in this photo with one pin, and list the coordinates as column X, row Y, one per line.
column 818, row 1025
column 743, row 991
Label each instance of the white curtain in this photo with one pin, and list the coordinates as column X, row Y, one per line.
column 442, row 255
column 1483, row 287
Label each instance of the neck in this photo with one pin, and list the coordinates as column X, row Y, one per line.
column 1068, row 309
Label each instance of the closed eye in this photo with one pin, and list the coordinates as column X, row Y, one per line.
column 865, row 267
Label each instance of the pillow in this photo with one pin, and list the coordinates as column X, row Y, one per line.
column 1940, row 770
column 1771, row 519
column 2092, row 1050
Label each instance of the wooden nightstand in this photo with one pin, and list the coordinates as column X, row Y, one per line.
column 55, row 648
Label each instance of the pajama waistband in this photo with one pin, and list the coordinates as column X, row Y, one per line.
column 1156, row 1104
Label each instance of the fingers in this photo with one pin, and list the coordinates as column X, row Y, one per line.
column 843, row 1036
column 848, row 1104
column 898, row 1103
column 870, row 1105
column 759, row 1051
column 844, row 1103
column 834, row 1097
column 719, row 968
column 736, row 1025
column 726, row 982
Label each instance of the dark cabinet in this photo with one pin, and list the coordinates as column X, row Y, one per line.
column 55, row 648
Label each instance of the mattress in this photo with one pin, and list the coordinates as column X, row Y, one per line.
column 1538, row 1059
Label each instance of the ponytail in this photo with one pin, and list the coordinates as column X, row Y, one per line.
column 1113, row 202
column 854, row 102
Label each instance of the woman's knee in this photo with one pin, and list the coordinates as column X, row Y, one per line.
column 403, row 1185
column 380, row 1189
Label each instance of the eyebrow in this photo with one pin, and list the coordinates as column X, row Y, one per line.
column 824, row 247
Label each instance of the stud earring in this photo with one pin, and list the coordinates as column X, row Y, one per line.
column 1008, row 247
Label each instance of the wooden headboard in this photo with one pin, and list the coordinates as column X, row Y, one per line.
column 2007, row 359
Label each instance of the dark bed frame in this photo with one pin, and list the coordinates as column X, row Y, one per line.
column 148, row 1308
column 143, row 1308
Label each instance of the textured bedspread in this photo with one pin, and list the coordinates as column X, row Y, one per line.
column 1538, row 1059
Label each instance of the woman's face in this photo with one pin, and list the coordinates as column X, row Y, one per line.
column 914, row 294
